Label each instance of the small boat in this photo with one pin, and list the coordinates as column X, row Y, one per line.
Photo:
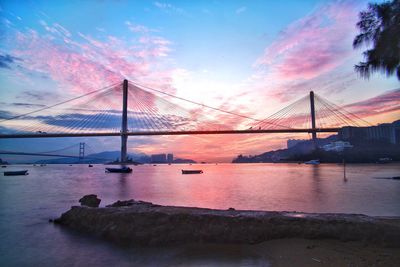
column 4, row 166
column 13, row 173
column 384, row 160
column 313, row 162
column 119, row 170
column 192, row 171
column 90, row 165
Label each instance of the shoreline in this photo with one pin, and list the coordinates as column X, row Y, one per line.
column 215, row 163
column 136, row 222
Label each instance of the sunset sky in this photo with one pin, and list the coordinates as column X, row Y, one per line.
column 248, row 57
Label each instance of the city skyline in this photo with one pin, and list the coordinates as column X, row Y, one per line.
column 205, row 51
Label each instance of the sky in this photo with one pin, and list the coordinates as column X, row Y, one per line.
column 247, row 57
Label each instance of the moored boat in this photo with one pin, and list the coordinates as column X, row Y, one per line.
column 313, row 162
column 384, row 160
column 192, row 171
column 119, row 170
column 13, row 173
column 90, row 165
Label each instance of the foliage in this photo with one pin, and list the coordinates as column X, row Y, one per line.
column 379, row 25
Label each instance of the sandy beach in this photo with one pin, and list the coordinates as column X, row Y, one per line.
column 286, row 253
column 303, row 252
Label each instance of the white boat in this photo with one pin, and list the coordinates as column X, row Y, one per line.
column 313, row 162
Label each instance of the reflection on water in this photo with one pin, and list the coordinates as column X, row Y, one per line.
column 27, row 202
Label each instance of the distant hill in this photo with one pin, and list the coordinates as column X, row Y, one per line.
column 363, row 151
column 97, row 158
column 106, row 157
column 302, row 148
column 181, row 161
column 2, row 162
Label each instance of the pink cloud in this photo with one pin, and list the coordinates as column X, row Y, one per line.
column 314, row 44
column 87, row 63
column 63, row 65
column 385, row 103
column 329, row 84
column 220, row 148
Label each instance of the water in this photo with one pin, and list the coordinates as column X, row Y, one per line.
column 27, row 202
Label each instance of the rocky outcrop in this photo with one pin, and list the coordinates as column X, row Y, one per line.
column 90, row 201
column 126, row 203
column 137, row 222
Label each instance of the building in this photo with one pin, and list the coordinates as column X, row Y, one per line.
column 387, row 132
column 170, row 158
column 158, row 158
column 337, row 146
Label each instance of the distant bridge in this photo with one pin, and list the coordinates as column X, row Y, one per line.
column 37, row 154
column 80, row 153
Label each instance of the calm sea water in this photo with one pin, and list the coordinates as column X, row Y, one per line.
column 27, row 202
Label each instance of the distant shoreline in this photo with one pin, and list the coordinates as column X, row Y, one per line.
column 208, row 163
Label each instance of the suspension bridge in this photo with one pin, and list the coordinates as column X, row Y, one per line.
column 78, row 151
column 148, row 111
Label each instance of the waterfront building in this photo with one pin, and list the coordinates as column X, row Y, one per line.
column 337, row 146
column 388, row 132
column 170, row 158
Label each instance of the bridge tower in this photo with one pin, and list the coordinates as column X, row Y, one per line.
column 313, row 126
column 81, row 150
column 124, row 127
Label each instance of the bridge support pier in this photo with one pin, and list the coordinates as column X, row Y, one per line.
column 124, row 128
column 124, row 141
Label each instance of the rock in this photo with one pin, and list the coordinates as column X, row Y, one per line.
column 139, row 222
column 90, row 201
column 124, row 203
column 231, row 209
column 57, row 221
column 127, row 203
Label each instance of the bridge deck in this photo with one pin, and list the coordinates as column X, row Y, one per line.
column 147, row 133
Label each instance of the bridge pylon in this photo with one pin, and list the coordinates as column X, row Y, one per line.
column 124, row 126
column 313, row 124
column 81, row 151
